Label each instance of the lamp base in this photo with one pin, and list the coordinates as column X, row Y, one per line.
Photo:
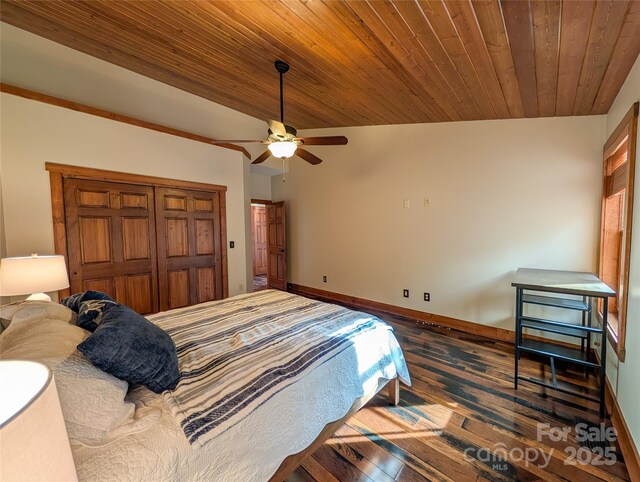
column 39, row 297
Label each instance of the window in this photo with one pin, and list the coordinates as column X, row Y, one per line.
column 616, row 218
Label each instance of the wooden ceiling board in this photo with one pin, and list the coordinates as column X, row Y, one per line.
column 606, row 25
column 546, row 31
column 491, row 24
column 362, row 62
column 622, row 59
column 466, row 25
column 574, row 28
column 397, row 60
column 437, row 16
column 519, row 26
column 409, row 18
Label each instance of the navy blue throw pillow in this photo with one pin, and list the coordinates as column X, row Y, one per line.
column 130, row 347
column 90, row 313
column 74, row 301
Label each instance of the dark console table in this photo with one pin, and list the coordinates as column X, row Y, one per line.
column 584, row 289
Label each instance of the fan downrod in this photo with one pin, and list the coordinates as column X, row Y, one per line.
column 281, row 66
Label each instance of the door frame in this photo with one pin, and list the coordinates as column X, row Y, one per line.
column 59, row 172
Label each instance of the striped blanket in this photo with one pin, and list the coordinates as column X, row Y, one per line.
column 237, row 353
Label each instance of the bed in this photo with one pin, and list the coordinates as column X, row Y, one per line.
column 229, row 418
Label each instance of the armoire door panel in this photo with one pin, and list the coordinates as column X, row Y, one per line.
column 175, row 203
column 106, row 285
column 206, row 284
column 134, row 200
column 203, row 205
column 136, row 238
column 178, row 289
column 177, row 237
column 139, row 292
column 95, row 239
column 188, row 240
column 93, row 199
column 204, row 236
column 111, row 241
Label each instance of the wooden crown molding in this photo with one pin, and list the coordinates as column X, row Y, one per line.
column 86, row 109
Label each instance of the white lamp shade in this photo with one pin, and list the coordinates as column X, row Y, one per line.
column 34, row 445
column 32, row 274
column 283, row 149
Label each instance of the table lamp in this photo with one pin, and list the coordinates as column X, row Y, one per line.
column 34, row 445
column 33, row 275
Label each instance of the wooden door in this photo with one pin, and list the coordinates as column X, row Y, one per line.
column 277, row 246
column 189, row 247
column 111, row 241
column 259, row 230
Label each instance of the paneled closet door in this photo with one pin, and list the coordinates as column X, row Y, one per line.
column 189, row 247
column 111, row 241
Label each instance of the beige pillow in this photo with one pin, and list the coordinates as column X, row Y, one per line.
column 92, row 401
column 32, row 309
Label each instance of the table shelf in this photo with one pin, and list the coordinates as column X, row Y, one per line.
column 559, row 352
column 570, row 304
column 567, row 329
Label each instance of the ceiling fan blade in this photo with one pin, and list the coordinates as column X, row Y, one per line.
column 324, row 141
column 278, row 128
column 307, row 156
column 262, row 157
column 239, row 141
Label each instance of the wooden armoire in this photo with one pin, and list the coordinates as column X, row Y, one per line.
column 151, row 243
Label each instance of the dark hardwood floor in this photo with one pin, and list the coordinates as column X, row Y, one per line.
column 461, row 420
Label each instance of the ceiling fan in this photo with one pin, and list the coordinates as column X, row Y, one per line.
column 282, row 140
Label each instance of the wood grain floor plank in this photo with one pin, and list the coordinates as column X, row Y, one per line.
column 462, row 401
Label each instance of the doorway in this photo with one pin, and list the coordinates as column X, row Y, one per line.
column 260, row 255
column 268, row 228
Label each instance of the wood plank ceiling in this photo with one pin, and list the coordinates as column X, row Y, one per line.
column 362, row 62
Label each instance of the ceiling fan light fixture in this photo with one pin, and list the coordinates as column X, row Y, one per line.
column 283, row 150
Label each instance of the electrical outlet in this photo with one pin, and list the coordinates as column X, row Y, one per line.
column 405, row 293
column 324, row 279
column 232, row 244
column 427, row 296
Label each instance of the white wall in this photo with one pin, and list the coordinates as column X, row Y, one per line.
column 39, row 64
column 260, row 186
column 624, row 376
column 33, row 133
column 503, row 195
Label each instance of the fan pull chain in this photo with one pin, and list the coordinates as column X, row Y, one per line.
column 284, row 170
